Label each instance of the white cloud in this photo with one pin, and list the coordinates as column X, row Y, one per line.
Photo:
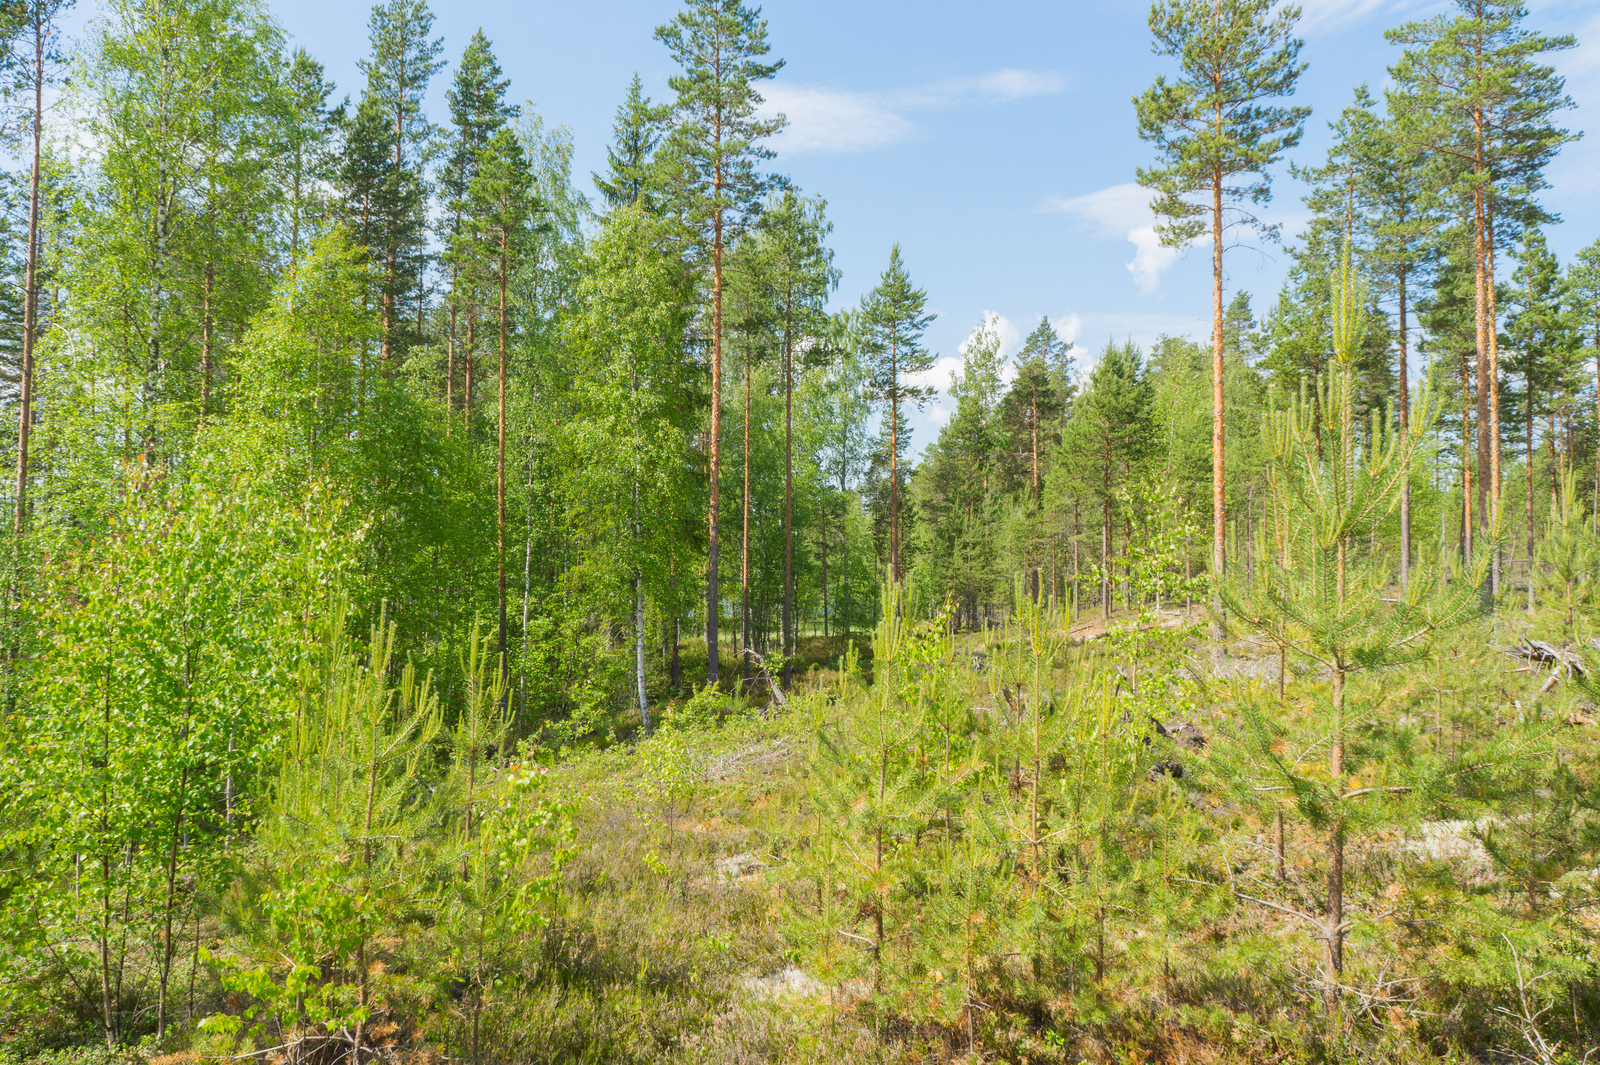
column 1068, row 326
column 823, row 119
column 1329, row 15
column 1002, row 327
column 939, row 377
column 1575, row 173
column 1012, row 84
column 1096, row 328
column 827, row 120
column 1124, row 211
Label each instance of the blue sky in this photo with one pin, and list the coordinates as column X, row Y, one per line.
column 996, row 143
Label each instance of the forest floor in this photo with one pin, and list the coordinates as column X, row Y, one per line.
column 687, row 891
column 681, row 934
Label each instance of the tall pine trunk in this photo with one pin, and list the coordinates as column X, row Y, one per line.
column 713, row 599
column 1034, row 417
column 1529, row 413
column 1481, row 337
column 1218, row 450
column 1597, row 421
column 1405, row 428
column 500, row 456
column 744, row 539
column 788, row 514
column 1494, row 390
column 450, row 358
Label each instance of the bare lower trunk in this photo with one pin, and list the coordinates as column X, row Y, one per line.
column 450, row 367
column 1484, row 415
column 1492, row 329
column 744, row 539
column 713, row 597
column 1218, row 449
column 788, row 523
column 894, row 489
column 466, row 387
column 1105, row 566
column 1334, row 929
column 1529, row 408
column 1597, row 420
column 500, row 466
column 1405, row 427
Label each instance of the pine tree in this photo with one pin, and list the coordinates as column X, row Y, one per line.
column 716, row 143
column 502, row 209
column 1402, row 254
column 894, row 317
column 380, row 206
column 800, row 269
column 1325, row 599
column 1217, row 134
column 837, row 407
column 1472, row 93
column 1543, row 352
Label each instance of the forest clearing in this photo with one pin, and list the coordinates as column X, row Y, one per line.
column 452, row 609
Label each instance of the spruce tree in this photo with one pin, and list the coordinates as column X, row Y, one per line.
column 957, row 483
column 308, row 135
column 716, row 142
column 478, row 111
column 1106, row 441
column 894, row 317
column 1216, row 133
column 1582, row 282
column 631, row 174
column 404, row 59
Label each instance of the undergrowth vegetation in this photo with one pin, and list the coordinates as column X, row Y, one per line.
column 445, row 620
column 1000, row 847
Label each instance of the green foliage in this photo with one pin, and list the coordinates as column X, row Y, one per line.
column 1002, row 829
column 1212, row 127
